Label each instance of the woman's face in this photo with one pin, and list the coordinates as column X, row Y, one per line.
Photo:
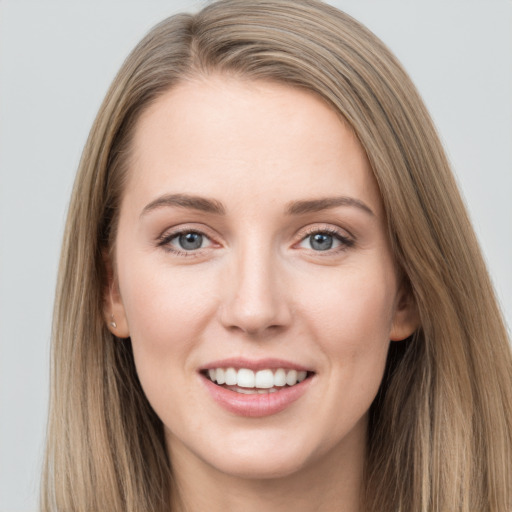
column 252, row 249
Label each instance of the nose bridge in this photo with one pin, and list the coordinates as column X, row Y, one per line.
column 255, row 300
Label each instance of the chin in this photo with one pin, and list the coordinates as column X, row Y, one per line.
column 260, row 467
column 260, row 459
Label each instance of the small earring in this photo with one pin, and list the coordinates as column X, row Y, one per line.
column 113, row 323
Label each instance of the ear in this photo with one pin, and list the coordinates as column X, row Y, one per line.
column 406, row 318
column 113, row 308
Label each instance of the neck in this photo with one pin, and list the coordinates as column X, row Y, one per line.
column 332, row 482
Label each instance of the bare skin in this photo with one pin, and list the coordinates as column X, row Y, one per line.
column 323, row 486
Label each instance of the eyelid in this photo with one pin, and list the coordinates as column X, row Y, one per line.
column 164, row 239
column 345, row 238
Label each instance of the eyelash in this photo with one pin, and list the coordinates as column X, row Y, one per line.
column 164, row 241
column 345, row 241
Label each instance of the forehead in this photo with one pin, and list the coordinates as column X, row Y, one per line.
column 250, row 137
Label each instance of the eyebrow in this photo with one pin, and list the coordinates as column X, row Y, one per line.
column 325, row 203
column 207, row 205
column 202, row 204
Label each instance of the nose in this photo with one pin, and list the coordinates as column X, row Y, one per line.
column 255, row 301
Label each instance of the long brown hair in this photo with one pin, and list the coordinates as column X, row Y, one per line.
column 440, row 434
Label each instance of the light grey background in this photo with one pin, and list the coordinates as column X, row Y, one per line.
column 57, row 59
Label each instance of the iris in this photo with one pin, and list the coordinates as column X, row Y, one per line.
column 190, row 241
column 321, row 241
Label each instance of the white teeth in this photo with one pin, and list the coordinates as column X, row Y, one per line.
column 230, row 377
column 300, row 376
column 221, row 376
column 245, row 378
column 291, row 377
column 280, row 378
column 264, row 380
column 246, row 391
column 252, row 391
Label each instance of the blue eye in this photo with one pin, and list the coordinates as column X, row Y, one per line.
column 184, row 242
column 322, row 241
column 189, row 241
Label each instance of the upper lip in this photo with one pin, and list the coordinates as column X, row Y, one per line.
column 254, row 364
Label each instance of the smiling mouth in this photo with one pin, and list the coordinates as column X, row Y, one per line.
column 249, row 382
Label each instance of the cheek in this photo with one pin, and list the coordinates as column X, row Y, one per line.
column 355, row 346
column 163, row 300
column 354, row 309
column 166, row 312
column 351, row 322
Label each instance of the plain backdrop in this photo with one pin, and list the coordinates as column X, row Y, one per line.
column 57, row 59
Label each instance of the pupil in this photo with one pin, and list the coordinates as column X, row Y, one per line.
column 191, row 241
column 321, row 242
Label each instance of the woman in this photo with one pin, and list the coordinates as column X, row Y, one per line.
column 270, row 295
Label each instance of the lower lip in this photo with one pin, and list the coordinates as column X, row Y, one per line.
column 256, row 405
